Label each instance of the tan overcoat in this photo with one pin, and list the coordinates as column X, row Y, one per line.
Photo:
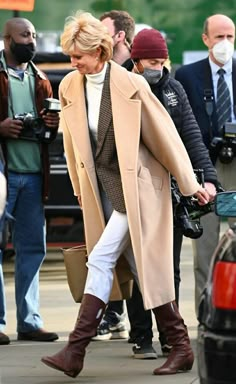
column 148, row 146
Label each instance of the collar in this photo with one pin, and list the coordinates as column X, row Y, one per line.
column 97, row 78
column 128, row 64
column 227, row 67
column 3, row 64
column 32, row 67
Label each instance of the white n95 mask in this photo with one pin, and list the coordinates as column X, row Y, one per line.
column 223, row 51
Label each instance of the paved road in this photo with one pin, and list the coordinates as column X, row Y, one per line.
column 106, row 362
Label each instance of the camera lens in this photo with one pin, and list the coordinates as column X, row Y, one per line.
column 38, row 126
column 192, row 229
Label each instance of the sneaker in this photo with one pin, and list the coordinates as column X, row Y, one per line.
column 103, row 332
column 119, row 331
column 166, row 349
column 144, row 352
column 108, row 331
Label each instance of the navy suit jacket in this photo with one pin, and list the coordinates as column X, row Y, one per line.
column 196, row 78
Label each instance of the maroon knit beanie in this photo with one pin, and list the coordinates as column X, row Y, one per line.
column 149, row 44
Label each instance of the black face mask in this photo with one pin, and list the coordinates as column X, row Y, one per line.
column 22, row 52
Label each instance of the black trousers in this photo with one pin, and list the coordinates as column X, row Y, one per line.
column 113, row 308
column 140, row 319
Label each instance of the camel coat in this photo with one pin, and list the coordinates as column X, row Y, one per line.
column 148, row 148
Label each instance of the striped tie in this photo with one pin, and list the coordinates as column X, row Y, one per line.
column 223, row 104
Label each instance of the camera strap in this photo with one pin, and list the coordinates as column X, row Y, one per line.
column 234, row 85
column 208, row 97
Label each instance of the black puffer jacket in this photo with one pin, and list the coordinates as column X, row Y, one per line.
column 173, row 97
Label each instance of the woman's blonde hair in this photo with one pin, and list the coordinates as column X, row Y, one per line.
column 85, row 33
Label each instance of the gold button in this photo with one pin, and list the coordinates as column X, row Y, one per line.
column 82, row 165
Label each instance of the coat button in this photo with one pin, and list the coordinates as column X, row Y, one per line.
column 82, row 165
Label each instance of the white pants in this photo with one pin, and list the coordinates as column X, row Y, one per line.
column 114, row 241
column 102, row 260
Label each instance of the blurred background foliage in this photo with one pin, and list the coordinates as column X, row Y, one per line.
column 181, row 20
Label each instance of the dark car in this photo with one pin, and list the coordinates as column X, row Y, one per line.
column 217, row 311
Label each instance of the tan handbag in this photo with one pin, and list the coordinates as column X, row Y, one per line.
column 75, row 259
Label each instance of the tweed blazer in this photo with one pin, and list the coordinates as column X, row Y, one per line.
column 106, row 161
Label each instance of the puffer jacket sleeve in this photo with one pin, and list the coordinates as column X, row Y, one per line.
column 191, row 136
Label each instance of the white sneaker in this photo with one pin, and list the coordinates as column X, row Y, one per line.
column 106, row 331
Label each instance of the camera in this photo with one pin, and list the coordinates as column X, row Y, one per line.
column 224, row 147
column 187, row 211
column 34, row 128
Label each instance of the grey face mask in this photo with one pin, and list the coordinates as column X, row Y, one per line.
column 152, row 75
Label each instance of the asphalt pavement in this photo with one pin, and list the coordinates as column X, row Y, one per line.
column 106, row 362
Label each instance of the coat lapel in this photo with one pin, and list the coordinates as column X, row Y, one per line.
column 75, row 114
column 126, row 116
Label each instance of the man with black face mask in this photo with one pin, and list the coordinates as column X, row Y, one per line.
column 149, row 54
column 23, row 89
column 22, row 52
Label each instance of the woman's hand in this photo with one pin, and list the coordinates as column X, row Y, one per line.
column 206, row 194
column 211, row 190
column 202, row 196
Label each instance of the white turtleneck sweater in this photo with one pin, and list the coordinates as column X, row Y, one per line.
column 94, row 85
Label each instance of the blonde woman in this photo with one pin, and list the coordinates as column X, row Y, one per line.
column 120, row 146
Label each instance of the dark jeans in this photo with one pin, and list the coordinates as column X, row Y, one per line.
column 29, row 241
column 140, row 319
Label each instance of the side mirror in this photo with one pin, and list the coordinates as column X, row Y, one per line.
column 225, row 204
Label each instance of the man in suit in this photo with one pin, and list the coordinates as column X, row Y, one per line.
column 200, row 81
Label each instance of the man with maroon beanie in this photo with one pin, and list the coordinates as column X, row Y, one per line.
column 149, row 54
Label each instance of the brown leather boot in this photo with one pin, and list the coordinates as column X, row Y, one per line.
column 181, row 355
column 71, row 358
